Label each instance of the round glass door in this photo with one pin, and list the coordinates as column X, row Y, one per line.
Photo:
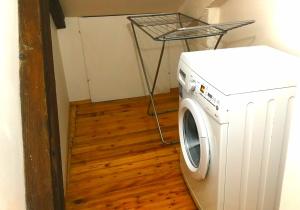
column 194, row 138
column 191, row 139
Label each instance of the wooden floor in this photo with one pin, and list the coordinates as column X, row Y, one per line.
column 117, row 161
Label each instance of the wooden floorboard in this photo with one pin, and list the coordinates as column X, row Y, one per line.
column 117, row 161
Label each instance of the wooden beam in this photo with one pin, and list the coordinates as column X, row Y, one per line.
column 43, row 174
column 57, row 14
column 56, row 167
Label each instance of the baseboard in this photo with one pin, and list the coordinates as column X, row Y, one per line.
column 80, row 102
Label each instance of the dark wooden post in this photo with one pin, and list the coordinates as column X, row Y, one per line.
column 57, row 14
column 43, row 174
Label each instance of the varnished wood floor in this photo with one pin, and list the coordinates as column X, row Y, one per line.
column 117, row 161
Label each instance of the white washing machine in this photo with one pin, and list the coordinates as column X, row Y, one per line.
column 234, row 119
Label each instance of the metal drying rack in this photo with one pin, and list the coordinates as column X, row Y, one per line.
column 169, row 27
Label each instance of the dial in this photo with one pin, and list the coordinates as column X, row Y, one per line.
column 192, row 85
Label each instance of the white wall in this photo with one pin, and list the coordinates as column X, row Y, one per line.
column 199, row 9
column 275, row 23
column 196, row 8
column 12, row 187
column 62, row 100
column 111, row 62
column 73, row 60
column 104, row 53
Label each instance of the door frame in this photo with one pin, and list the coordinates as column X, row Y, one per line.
column 41, row 142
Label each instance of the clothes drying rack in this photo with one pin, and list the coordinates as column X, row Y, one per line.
column 169, row 27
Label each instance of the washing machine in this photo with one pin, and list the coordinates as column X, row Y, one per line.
column 234, row 118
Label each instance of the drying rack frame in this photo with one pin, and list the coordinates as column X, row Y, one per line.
column 170, row 27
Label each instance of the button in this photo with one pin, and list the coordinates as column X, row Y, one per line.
column 217, row 107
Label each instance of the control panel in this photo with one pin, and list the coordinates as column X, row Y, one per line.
column 202, row 88
column 211, row 99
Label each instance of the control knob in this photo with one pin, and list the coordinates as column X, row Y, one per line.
column 193, row 88
column 192, row 85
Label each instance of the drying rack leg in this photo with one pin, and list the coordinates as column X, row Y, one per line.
column 187, row 45
column 149, row 90
column 156, row 76
column 218, row 41
column 185, row 40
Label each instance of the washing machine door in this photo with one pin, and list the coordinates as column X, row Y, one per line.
column 194, row 138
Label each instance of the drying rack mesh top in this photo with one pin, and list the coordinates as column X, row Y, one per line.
column 177, row 26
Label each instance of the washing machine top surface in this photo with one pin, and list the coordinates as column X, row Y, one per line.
column 245, row 69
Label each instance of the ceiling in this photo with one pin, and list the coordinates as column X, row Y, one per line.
column 77, row 8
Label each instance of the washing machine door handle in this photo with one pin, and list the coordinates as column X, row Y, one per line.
column 205, row 157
